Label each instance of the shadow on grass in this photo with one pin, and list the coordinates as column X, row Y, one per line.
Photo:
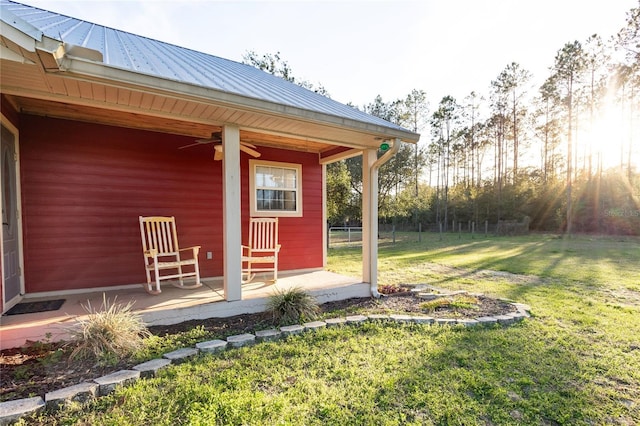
column 583, row 261
column 517, row 375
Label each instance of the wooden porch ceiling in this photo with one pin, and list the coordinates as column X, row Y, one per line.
column 156, row 124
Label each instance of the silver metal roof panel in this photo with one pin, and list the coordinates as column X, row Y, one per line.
column 159, row 59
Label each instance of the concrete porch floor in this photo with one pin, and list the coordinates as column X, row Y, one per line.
column 173, row 305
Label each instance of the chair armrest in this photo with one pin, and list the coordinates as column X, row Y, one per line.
column 243, row 248
column 151, row 253
column 195, row 249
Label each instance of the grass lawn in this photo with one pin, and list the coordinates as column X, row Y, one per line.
column 577, row 361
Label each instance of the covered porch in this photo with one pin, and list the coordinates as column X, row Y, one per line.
column 173, row 305
column 95, row 139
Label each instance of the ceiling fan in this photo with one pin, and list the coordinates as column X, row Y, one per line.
column 216, row 138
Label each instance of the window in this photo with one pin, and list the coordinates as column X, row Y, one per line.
column 276, row 188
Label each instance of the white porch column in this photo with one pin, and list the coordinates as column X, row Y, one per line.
column 369, row 218
column 325, row 241
column 231, row 206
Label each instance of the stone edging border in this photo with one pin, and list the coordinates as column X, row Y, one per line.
column 11, row 411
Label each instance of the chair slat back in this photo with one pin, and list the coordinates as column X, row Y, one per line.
column 159, row 233
column 263, row 233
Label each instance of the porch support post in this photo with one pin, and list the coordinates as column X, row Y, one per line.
column 325, row 235
column 369, row 219
column 371, row 165
column 232, row 232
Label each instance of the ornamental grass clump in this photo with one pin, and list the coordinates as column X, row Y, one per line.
column 109, row 333
column 456, row 302
column 292, row 305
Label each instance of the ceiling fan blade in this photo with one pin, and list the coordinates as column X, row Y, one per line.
column 216, row 137
column 205, row 141
column 251, row 152
column 190, row 145
column 250, row 145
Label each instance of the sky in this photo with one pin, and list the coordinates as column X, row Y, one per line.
column 358, row 49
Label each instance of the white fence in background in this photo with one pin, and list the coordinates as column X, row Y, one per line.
column 352, row 235
column 344, row 235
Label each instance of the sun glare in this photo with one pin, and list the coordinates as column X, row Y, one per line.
column 608, row 140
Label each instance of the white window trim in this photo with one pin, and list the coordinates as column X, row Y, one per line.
column 252, row 189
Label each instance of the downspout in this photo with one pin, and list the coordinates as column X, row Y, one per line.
column 373, row 225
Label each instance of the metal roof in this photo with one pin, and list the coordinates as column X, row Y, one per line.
column 143, row 55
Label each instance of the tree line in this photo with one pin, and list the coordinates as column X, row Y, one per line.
column 562, row 154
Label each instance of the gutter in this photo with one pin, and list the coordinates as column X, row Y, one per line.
column 373, row 225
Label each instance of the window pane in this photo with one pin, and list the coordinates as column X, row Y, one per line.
column 289, row 201
column 290, row 179
column 268, row 200
column 276, row 177
column 260, row 199
column 263, row 177
column 267, row 177
column 259, row 178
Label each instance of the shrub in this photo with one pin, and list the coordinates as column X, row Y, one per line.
column 292, row 305
column 109, row 333
column 465, row 301
column 433, row 305
column 456, row 302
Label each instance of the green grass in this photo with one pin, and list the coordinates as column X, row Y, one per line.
column 576, row 362
column 577, row 258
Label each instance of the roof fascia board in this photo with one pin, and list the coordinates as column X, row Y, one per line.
column 92, row 70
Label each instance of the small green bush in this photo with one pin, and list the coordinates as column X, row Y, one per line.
column 292, row 305
column 109, row 333
column 465, row 301
column 456, row 302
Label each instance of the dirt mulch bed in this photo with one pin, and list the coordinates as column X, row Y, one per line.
column 41, row 368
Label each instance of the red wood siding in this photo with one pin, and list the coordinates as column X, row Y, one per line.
column 84, row 186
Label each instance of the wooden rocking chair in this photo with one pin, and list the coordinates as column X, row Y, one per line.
column 262, row 250
column 162, row 253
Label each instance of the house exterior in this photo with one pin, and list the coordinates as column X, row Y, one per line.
column 99, row 126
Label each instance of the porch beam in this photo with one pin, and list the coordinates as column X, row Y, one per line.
column 232, row 232
column 350, row 153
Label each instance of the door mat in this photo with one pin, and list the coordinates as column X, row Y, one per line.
column 33, row 307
